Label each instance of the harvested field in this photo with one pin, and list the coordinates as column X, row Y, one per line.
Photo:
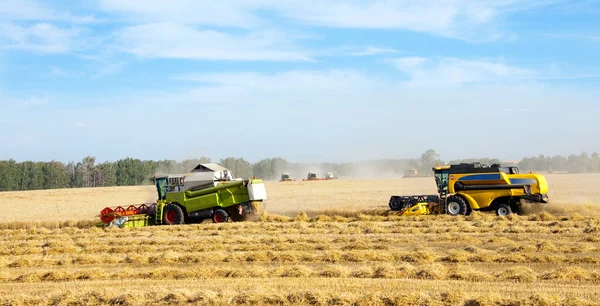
column 346, row 249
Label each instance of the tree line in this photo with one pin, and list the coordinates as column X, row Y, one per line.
column 29, row 175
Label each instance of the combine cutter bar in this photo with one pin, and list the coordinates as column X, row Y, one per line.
column 108, row 214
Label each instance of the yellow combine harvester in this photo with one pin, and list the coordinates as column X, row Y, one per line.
column 466, row 187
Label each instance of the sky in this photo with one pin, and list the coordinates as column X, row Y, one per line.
column 327, row 81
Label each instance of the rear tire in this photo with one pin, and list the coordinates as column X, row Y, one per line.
column 456, row 205
column 173, row 214
column 220, row 216
column 503, row 210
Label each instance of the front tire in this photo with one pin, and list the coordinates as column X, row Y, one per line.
column 220, row 216
column 503, row 210
column 456, row 205
column 396, row 204
column 173, row 214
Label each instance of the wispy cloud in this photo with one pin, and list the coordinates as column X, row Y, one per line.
column 60, row 72
column 219, row 13
column 330, row 80
column 448, row 71
column 108, row 69
column 16, row 10
column 369, row 51
column 23, row 103
column 581, row 36
column 38, row 37
column 463, row 19
column 170, row 40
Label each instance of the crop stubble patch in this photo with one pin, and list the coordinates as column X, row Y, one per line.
column 357, row 253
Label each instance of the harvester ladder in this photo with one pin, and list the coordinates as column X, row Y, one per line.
column 159, row 213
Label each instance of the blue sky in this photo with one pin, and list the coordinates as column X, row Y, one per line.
column 324, row 81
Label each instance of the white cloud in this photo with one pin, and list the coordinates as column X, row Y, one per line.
column 60, row 72
column 368, row 51
column 23, row 10
column 23, row 103
column 580, row 36
column 324, row 82
column 454, row 71
column 32, row 10
column 413, row 15
column 110, row 68
column 409, row 64
column 220, row 13
column 464, row 19
column 169, row 40
column 38, row 37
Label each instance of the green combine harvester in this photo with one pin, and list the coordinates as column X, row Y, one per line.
column 209, row 191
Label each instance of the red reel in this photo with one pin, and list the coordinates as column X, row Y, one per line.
column 107, row 215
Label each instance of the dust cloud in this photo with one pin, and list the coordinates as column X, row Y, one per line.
column 391, row 169
column 578, row 205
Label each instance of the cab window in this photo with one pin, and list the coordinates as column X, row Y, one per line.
column 441, row 180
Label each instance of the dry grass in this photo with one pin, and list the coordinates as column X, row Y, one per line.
column 323, row 243
column 459, row 260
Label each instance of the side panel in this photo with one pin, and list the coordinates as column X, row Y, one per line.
column 257, row 191
column 231, row 195
column 223, row 195
column 484, row 198
column 473, row 203
column 177, row 197
column 201, row 202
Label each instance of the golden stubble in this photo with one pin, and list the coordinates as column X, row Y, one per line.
column 322, row 243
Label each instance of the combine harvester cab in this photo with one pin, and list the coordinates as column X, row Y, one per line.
column 474, row 186
column 208, row 192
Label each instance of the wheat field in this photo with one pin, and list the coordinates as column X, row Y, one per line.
column 322, row 243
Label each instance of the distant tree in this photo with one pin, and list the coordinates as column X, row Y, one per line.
column 189, row 164
column 166, row 167
column 107, row 174
column 595, row 161
column 239, row 166
column 55, row 175
column 270, row 168
column 24, row 176
column 36, row 176
column 8, row 175
column 87, row 165
column 558, row 163
column 429, row 159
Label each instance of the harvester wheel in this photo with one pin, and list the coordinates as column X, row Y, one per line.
column 503, row 210
column 456, row 205
column 220, row 216
column 173, row 214
column 396, row 203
